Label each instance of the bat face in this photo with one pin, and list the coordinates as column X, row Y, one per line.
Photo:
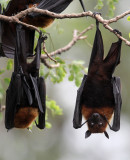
column 96, row 123
column 99, row 94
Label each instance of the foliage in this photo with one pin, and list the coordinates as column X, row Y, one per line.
column 128, row 19
column 111, row 6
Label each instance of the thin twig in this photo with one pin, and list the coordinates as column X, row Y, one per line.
column 70, row 44
column 63, row 16
column 50, row 65
column 44, row 49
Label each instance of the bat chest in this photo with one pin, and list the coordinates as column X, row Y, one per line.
column 98, row 94
column 25, row 116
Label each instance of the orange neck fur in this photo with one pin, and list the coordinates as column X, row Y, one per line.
column 25, row 116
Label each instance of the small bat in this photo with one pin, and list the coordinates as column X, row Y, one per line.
column 37, row 19
column 99, row 95
column 26, row 94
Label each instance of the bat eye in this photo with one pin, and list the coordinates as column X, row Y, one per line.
column 92, row 124
column 100, row 124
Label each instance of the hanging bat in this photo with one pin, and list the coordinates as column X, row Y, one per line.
column 26, row 94
column 99, row 95
column 37, row 19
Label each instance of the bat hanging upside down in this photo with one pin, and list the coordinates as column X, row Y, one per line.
column 99, row 94
column 26, row 94
column 37, row 19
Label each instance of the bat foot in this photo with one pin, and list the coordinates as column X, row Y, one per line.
column 95, row 13
column 117, row 31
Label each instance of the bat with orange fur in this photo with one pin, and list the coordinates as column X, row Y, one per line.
column 8, row 30
column 26, row 94
column 37, row 19
column 99, row 96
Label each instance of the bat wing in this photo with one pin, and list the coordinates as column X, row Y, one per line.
column 113, row 57
column 118, row 103
column 42, row 93
column 77, row 118
column 12, row 100
column 97, row 52
column 36, row 91
column 52, row 5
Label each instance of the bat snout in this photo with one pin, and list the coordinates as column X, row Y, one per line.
column 96, row 123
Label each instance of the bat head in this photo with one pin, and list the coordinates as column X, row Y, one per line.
column 97, row 123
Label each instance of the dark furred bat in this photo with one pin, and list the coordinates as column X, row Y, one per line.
column 37, row 19
column 26, row 94
column 99, row 94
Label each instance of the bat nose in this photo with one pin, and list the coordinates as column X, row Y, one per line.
column 96, row 115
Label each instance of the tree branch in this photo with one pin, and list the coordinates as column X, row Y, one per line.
column 63, row 16
column 76, row 37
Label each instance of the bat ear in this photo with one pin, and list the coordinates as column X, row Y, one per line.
column 113, row 57
column 106, row 134
column 97, row 51
column 87, row 134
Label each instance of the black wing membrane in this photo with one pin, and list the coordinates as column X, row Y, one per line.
column 42, row 93
column 97, row 51
column 12, row 99
column 56, row 6
column 118, row 102
column 77, row 118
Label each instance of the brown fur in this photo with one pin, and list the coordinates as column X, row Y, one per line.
column 107, row 111
column 25, row 116
column 39, row 21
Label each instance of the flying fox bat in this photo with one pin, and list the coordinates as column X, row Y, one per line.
column 26, row 94
column 99, row 95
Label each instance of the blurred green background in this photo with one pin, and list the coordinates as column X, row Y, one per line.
column 62, row 141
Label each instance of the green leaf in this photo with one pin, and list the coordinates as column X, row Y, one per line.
column 71, row 77
column 99, row 4
column 9, row 64
column 129, row 35
column 128, row 18
column 59, row 60
column 48, row 125
column 2, row 71
column 55, row 109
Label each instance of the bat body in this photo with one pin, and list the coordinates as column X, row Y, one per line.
column 99, row 96
column 37, row 19
column 26, row 94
